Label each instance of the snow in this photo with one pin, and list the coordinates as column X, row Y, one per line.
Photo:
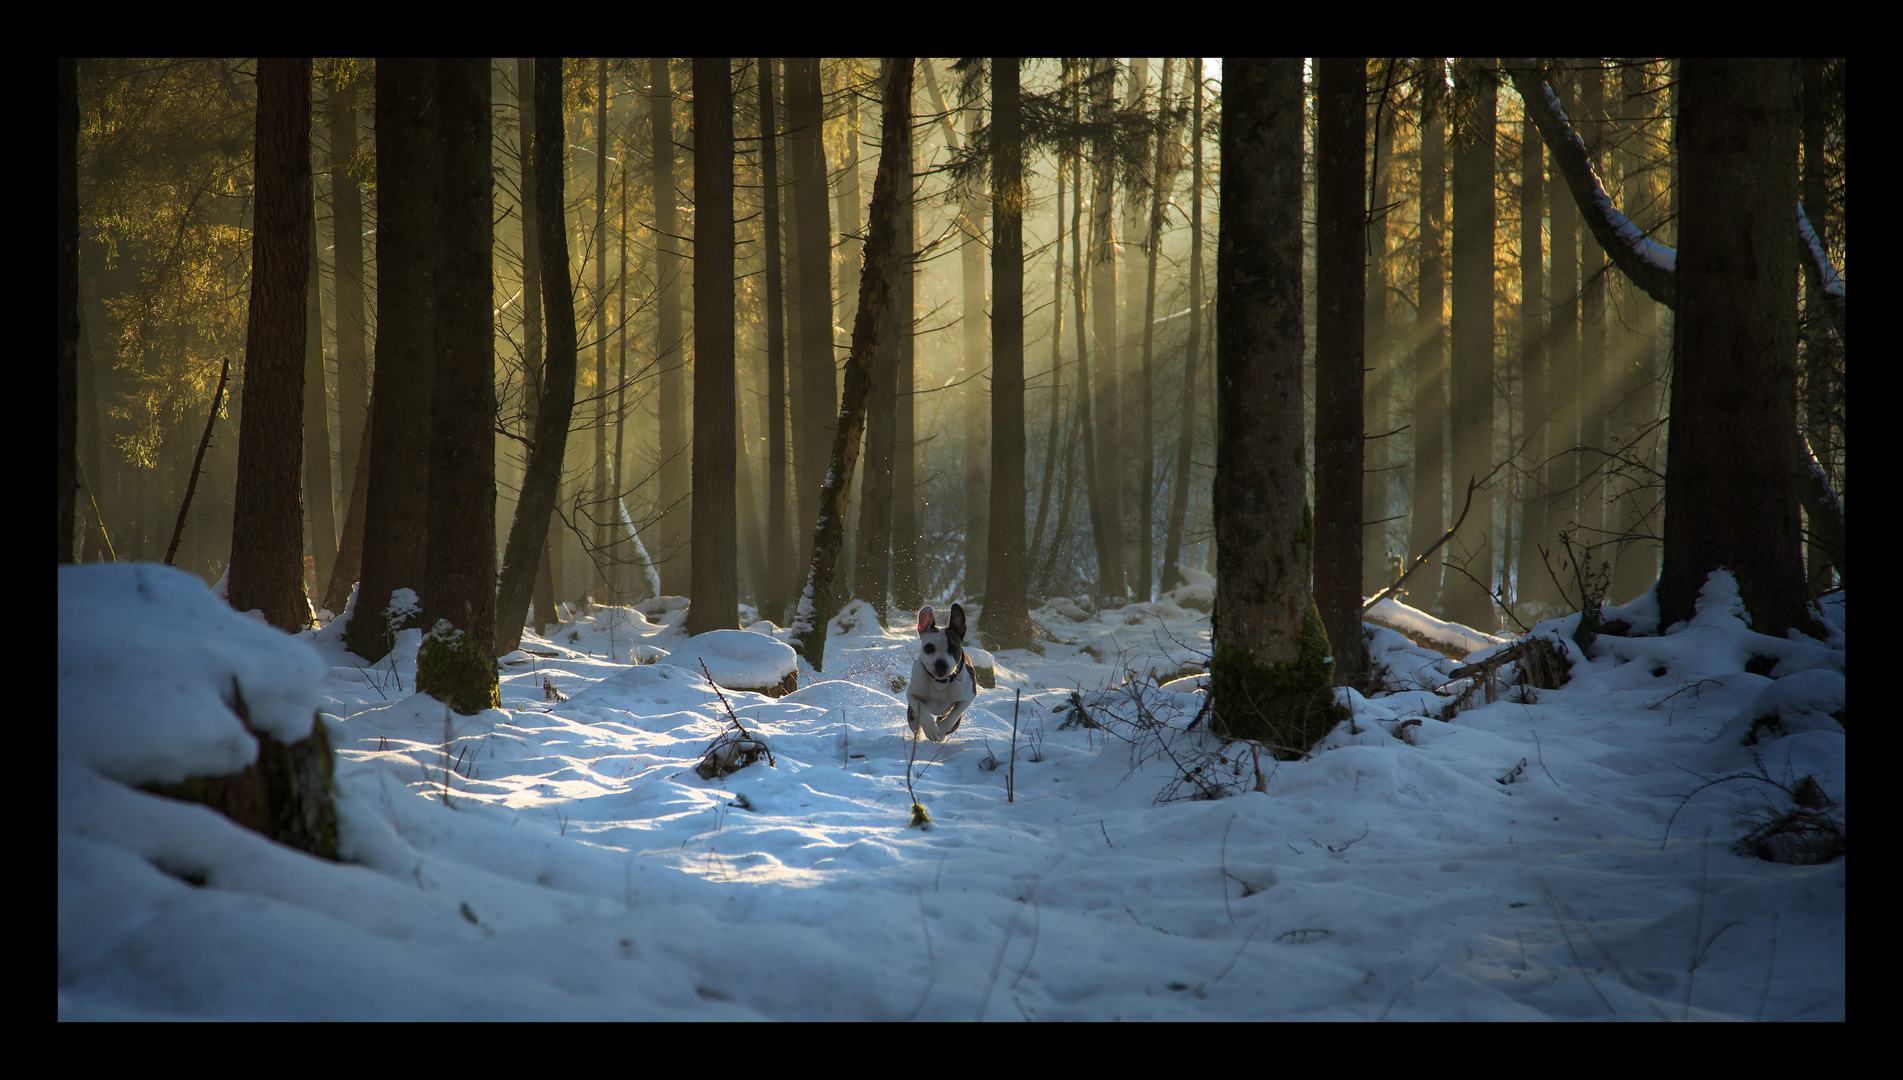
column 1399, row 616
column 151, row 666
column 1833, row 285
column 736, row 658
column 1555, row 854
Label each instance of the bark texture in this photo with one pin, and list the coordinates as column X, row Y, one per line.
column 1426, row 518
column 1469, row 573
column 1007, row 618
column 876, row 293
column 715, row 585
column 396, row 525
column 1270, row 675
column 267, row 528
column 1340, row 179
column 1731, row 501
column 543, row 474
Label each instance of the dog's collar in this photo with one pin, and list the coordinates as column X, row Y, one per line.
column 955, row 671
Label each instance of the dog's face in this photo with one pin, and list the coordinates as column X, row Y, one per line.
column 941, row 648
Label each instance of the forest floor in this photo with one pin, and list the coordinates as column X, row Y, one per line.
column 1562, row 854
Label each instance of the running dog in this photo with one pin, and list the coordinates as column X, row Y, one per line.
column 943, row 684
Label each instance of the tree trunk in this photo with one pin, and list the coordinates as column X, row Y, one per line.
column 779, row 570
column 1186, row 434
column 1130, row 378
column 319, row 498
column 266, row 568
column 1340, row 259
column 1092, row 490
column 851, row 203
column 1425, row 519
column 715, row 584
column 1731, row 501
column 884, row 245
column 1379, row 389
column 1533, row 583
column 396, row 505
column 545, row 593
column 1007, row 617
column 66, row 265
column 1146, row 455
column 1594, row 402
column 459, row 583
column 601, row 510
column 908, row 586
column 814, row 423
column 1057, row 365
column 1562, row 467
column 353, row 370
column 1636, row 496
column 542, row 476
column 343, row 574
column 1472, row 554
column 977, row 407
column 674, row 552
column 1108, row 513
column 1270, row 676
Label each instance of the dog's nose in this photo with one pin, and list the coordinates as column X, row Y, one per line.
column 941, row 665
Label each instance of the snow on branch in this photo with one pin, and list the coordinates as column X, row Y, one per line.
column 1817, row 267
column 1650, row 265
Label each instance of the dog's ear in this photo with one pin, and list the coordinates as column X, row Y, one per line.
column 958, row 621
column 927, row 623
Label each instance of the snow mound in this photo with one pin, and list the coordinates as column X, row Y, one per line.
column 737, row 659
column 1418, row 624
column 149, row 662
column 839, row 693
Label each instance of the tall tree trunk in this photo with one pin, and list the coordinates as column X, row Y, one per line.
column 541, row 477
column 66, row 264
column 1130, row 378
column 319, row 500
column 779, row 570
column 353, row 369
column 1270, row 677
column 1470, row 562
column 546, row 595
column 1637, row 499
column 1007, row 617
column 674, row 552
column 851, row 203
column 396, row 505
column 1340, row 257
column 602, row 509
column 266, row 570
column 1533, row 583
column 1093, row 489
column 1594, row 402
column 1378, row 406
column 1146, row 455
column 814, row 423
column 1186, row 434
column 1731, row 501
column 1563, row 461
column 908, row 588
column 715, row 584
column 459, row 584
column 884, row 245
column 872, row 563
column 1425, row 519
column 977, row 407
column 1103, row 298
column 1057, row 363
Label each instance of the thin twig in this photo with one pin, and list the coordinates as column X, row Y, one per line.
column 1422, row 558
column 191, row 487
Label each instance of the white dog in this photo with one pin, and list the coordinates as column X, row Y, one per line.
column 943, row 684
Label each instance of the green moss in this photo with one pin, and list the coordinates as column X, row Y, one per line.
column 1288, row 706
column 456, row 670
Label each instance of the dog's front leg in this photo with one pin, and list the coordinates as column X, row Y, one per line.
column 948, row 724
column 919, row 715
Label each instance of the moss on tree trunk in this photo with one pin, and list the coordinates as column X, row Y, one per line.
column 284, row 795
column 456, row 669
column 1288, row 707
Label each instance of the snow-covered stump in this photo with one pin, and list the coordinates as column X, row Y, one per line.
column 741, row 660
column 164, row 688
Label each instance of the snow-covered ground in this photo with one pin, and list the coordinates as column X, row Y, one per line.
column 1554, row 854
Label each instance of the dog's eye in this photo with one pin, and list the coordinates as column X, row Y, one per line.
column 929, row 649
